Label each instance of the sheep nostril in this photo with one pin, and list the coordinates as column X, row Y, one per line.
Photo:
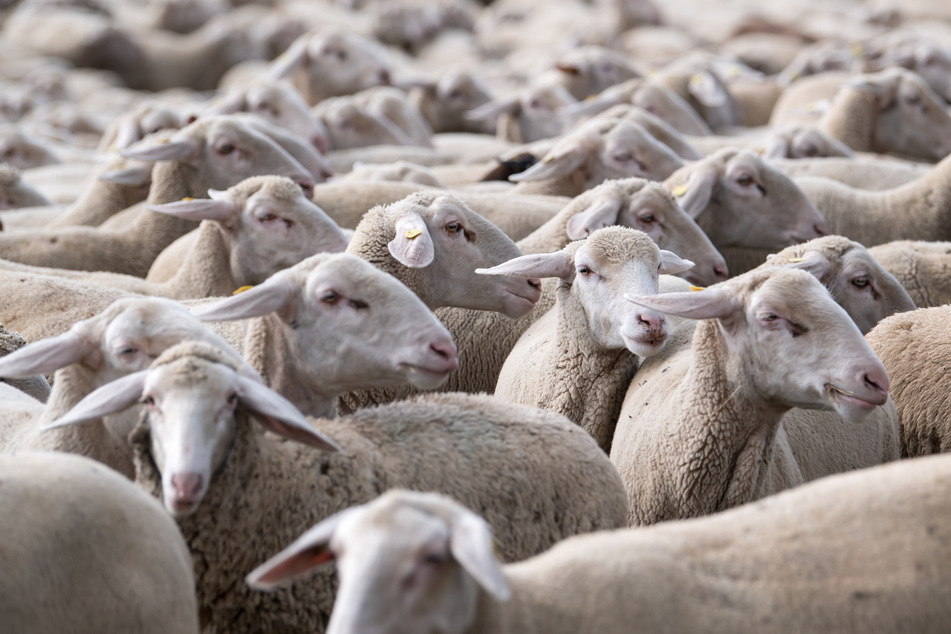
column 307, row 186
column 384, row 77
column 536, row 284
column 820, row 228
column 720, row 271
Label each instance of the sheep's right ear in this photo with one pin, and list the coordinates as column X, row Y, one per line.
column 110, row 398
column 229, row 104
column 777, row 147
column 180, row 148
column 812, row 262
column 273, row 295
column 129, row 132
column 557, row 264
column 707, row 89
column 413, row 245
column 697, row 193
column 46, row 355
column 603, row 212
column 711, row 303
column 590, row 107
column 217, row 208
column 470, row 543
column 308, row 551
column 131, row 176
column 280, row 416
column 291, row 59
column 492, row 110
column 554, row 165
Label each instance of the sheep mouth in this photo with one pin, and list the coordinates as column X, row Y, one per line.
column 645, row 344
column 428, row 377
column 840, row 394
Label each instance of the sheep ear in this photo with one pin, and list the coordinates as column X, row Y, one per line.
column 128, row 133
column 707, row 89
column 470, row 543
column 280, row 416
column 712, row 303
column 671, row 263
column 413, row 245
column 590, row 107
column 274, row 295
column 108, row 399
column 553, row 166
column 697, row 193
column 812, row 262
column 492, row 110
column 46, row 355
column 174, row 149
column 884, row 89
column 133, row 176
column 308, row 551
column 777, row 147
column 290, row 60
column 199, row 209
column 229, row 104
column 557, row 264
column 603, row 212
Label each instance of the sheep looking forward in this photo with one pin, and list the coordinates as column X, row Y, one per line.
column 84, row 550
column 697, row 430
column 876, row 543
column 201, row 450
column 579, row 358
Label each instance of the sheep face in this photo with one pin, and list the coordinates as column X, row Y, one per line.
column 912, row 118
column 588, row 70
column 350, row 125
column 799, row 348
column 740, row 200
column 408, row 562
column 800, row 142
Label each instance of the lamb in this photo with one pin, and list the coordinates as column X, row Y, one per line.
column 652, row 96
column 734, row 572
column 123, row 338
column 868, row 217
column 695, row 77
column 240, row 481
column 15, row 193
column 578, row 359
column 331, row 63
column 445, row 102
column 920, row 266
column 71, row 526
column 530, row 114
column 914, row 350
column 211, row 153
column 697, row 430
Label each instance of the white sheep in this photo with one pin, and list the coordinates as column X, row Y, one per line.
column 445, row 102
column 578, row 359
column 84, row 549
column 876, row 543
column 697, row 430
column 876, row 174
column 921, row 266
column 531, row 114
column 221, row 477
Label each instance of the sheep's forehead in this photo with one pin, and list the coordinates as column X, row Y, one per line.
column 353, row 274
column 795, row 292
column 619, row 245
column 404, row 528
column 190, row 374
column 146, row 318
column 276, row 187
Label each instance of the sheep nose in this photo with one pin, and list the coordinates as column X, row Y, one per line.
column 187, row 485
column 720, row 271
column 821, row 229
column 653, row 322
column 384, row 77
column 536, row 284
column 878, row 382
column 446, row 350
column 307, row 186
column 320, row 142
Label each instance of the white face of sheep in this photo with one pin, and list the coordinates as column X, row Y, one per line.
column 798, row 346
column 282, row 105
column 649, row 207
column 801, row 142
column 611, row 262
column 751, row 203
column 409, row 563
column 224, row 151
column 351, row 125
column 350, row 326
column 858, row 283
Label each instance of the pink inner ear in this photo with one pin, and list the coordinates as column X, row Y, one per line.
column 297, row 564
column 293, row 433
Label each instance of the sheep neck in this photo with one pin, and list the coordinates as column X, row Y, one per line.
column 728, row 447
column 591, row 380
column 272, row 348
column 206, row 270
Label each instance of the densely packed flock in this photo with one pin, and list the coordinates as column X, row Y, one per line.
column 465, row 297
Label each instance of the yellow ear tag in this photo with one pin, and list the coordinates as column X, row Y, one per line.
column 242, row 289
column 187, row 198
column 164, row 141
column 679, row 190
column 796, row 260
column 591, row 97
column 696, row 288
column 858, row 50
column 412, row 234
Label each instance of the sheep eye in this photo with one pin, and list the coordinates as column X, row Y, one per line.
column 860, row 282
column 267, row 217
column 233, row 400
column 225, row 149
column 623, row 158
column 148, row 400
column 129, row 350
column 434, row 559
column 648, row 218
column 330, row 297
column 357, row 304
column 454, row 227
column 584, row 270
column 745, row 180
column 769, row 317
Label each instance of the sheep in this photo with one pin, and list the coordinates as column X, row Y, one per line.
column 786, row 142
column 260, row 226
column 352, row 125
column 920, row 266
column 656, row 127
column 652, row 96
column 401, row 171
column 926, row 58
column 123, row 338
column 528, row 115
column 445, row 102
column 395, row 106
column 914, row 350
column 876, row 543
column 588, row 70
column 85, row 550
column 411, row 25
column 24, row 151
column 146, row 118
column 236, row 480
column 695, row 77
column 15, row 193
column 35, row 386
column 578, row 359
column 596, row 151
column 330, row 64
column 697, row 429
column 874, row 175
column 868, row 217
column 209, row 153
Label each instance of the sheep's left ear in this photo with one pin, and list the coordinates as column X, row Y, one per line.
column 712, row 303
column 470, row 543
column 291, row 59
column 280, row 416
column 553, row 165
column 698, row 191
column 412, row 245
column 707, row 89
column 177, row 148
column 112, row 397
column 812, row 262
column 557, row 264
column 602, row 212
column 776, row 147
column 671, row 263
column 308, row 551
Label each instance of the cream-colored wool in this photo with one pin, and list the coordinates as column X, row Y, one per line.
column 922, row 267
